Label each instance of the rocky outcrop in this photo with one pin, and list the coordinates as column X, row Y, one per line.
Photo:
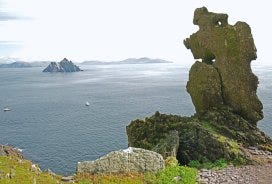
column 124, row 161
column 64, row 66
column 223, row 90
column 10, row 151
column 228, row 50
column 217, row 134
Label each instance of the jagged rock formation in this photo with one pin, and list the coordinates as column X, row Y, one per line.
column 228, row 50
column 64, row 66
column 223, row 91
column 124, row 161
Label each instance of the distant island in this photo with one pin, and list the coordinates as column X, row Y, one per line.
column 17, row 64
column 63, row 66
column 14, row 63
column 143, row 60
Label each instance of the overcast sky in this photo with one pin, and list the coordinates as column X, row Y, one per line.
column 118, row 29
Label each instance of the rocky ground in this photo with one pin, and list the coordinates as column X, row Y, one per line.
column 258, row 173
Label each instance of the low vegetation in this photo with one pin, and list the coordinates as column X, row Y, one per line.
column 14, row 170
column 173, row 173
column 218, row 164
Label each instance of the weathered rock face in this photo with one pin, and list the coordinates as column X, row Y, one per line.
column 204, row 86
column 228, row 50
column 64, row 66
column 123, row 161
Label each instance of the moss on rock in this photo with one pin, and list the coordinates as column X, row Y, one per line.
column 228, row 49
column 198, row 140
column 204, row 86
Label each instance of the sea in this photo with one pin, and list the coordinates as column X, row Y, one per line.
column 52, row 126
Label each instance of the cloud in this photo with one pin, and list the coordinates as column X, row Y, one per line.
column 4, row 16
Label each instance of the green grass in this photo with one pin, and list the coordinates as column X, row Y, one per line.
column 131, row 178
column 22, row 172
column 218, row 164
column 165, row 176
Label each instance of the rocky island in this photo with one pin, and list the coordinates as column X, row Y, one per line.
column 63, row 66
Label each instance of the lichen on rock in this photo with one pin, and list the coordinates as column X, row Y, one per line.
column 124, row 161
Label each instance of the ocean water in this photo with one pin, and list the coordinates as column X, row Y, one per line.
column 50, row 122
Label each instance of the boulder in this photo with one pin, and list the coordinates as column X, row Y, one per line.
column 229, row 49
column 64, row 66
column 124, row 161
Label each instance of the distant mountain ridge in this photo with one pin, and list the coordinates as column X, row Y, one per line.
column 17, row 64
column 143, row 60
column 8, row 60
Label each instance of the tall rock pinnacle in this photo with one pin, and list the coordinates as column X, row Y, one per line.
column 224, row 77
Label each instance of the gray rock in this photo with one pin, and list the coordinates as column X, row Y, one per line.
column 177, row 179
column 51, row 172
column 64, row 66
column 67, row 179
column 123, row 161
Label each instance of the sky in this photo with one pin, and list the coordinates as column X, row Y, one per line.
column 110, row 30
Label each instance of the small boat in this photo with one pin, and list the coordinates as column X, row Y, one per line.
column 6, row 109
column 87, row 104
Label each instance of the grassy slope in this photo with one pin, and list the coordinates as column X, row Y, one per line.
column 22, row 172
